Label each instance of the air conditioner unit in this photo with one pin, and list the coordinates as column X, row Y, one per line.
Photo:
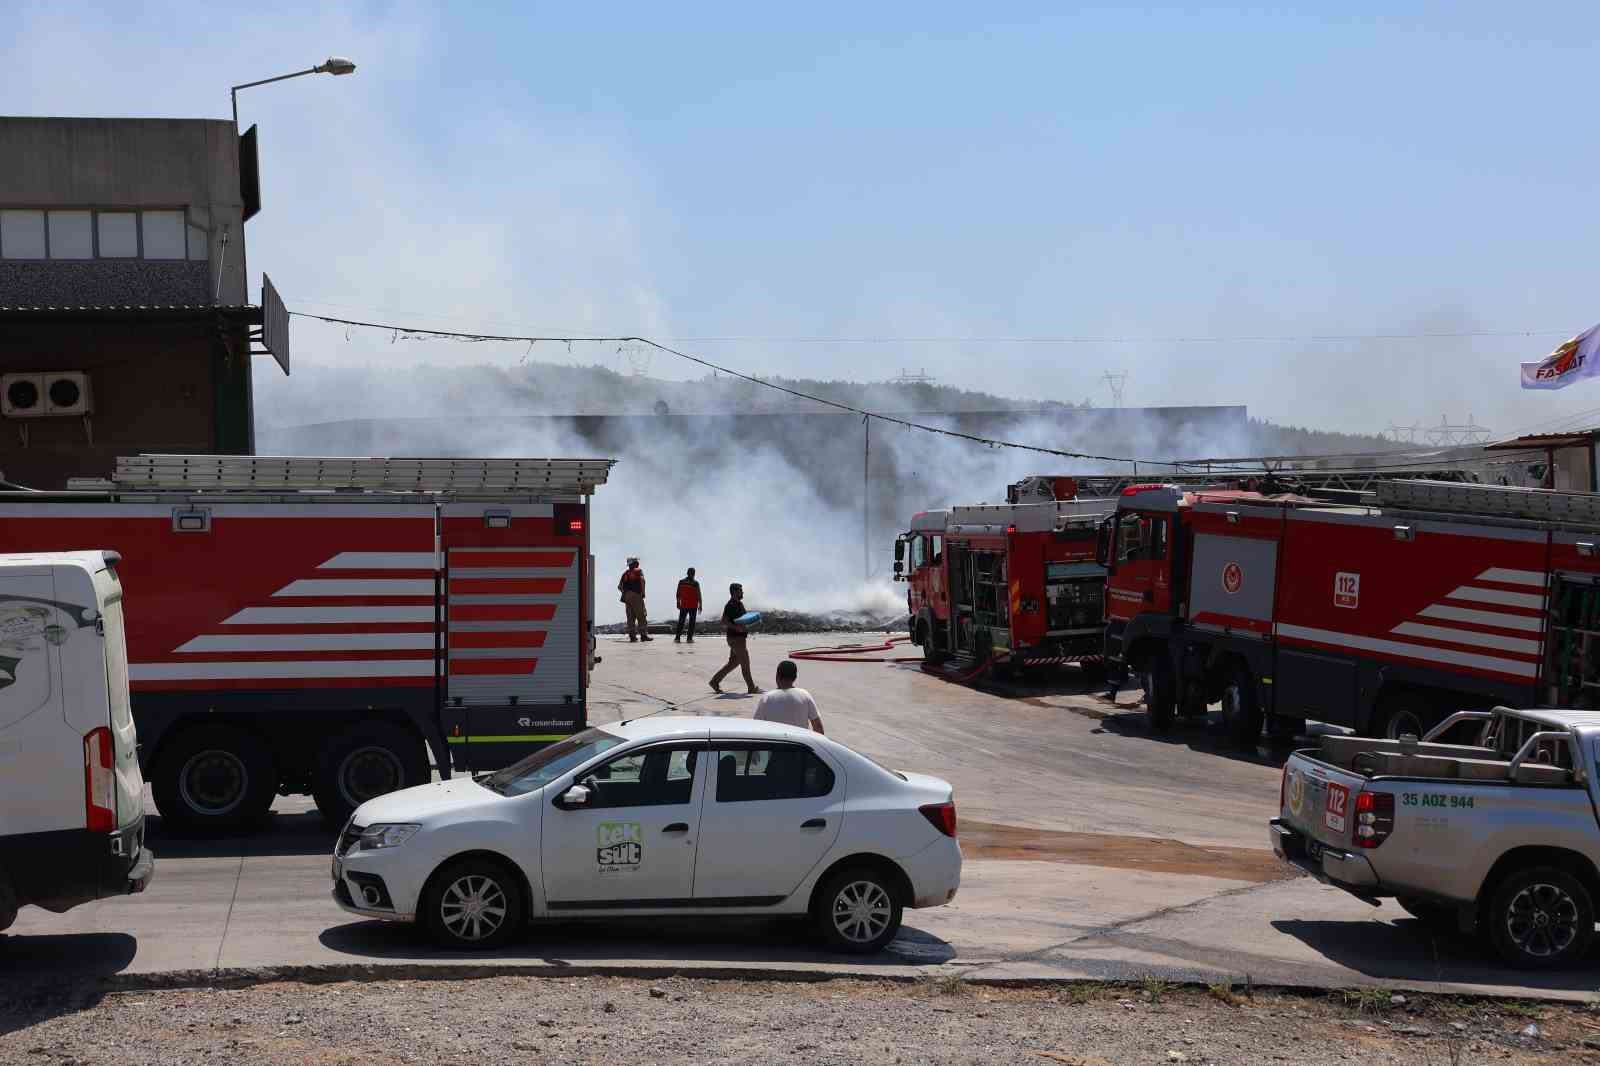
column 67, row 392
column 22, row 395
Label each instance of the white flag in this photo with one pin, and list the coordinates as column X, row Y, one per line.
column 1573, row 360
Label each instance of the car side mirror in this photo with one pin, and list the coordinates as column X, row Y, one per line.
column 576, row 796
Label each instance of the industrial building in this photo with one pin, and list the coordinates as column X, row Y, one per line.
column 125, row 325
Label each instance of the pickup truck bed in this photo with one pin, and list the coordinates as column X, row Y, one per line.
column 1498, row 837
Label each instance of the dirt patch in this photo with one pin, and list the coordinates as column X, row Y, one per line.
column 982, row 840
column 517, row 1021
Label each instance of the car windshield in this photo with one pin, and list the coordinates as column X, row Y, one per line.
column 547, row 764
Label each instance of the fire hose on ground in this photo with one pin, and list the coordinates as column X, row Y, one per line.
column 857, row 653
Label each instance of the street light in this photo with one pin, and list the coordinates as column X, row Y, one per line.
column 332, row 65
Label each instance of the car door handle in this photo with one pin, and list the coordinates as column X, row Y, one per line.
column 677, row 827
column 814, row 823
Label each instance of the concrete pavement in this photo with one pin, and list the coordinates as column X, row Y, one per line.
column 1093, row 851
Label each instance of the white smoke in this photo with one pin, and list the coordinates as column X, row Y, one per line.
column 773, row 501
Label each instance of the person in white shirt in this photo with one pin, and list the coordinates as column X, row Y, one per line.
column 787, row 704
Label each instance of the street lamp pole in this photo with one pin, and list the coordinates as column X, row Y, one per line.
column 333, row 65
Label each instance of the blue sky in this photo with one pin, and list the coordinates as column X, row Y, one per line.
column 710, row 170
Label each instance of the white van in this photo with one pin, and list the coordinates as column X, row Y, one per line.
column 71, row 795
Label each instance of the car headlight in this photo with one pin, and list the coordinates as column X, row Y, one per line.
column 386, row 835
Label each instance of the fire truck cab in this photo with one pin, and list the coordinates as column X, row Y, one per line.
column 1382, row 611
column 1016, row 584
column 337, row 627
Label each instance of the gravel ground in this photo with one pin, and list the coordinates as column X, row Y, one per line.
column 521, row 1020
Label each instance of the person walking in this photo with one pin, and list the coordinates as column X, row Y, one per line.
column 789, row 705
column 738, row 653
column 631, row 586
column 688, row 605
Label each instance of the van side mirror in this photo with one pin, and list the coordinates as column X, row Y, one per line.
column 576, row 796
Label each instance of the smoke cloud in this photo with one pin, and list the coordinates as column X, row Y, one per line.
column 775, row 499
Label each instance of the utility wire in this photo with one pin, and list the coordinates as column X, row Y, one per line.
column 1195, row 465
column 890, row 419
column 1040, row 339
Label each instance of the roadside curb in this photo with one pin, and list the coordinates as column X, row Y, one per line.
column 334, row 973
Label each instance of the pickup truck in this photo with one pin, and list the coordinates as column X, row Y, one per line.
column 1497, row 837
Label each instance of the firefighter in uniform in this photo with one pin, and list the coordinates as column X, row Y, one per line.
column 631, row 586
column 688, row 605
column 738, row 653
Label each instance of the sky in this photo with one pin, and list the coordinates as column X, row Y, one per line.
column 889, row 170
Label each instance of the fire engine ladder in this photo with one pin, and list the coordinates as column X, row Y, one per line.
column 545, row 477
column 1503, row 501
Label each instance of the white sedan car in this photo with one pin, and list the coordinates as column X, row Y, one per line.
column 659, row 816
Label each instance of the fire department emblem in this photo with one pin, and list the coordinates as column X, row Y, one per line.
column 1232, row 578
column 1297, row 792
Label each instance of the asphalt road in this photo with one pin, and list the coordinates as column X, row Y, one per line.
column 1094, row 850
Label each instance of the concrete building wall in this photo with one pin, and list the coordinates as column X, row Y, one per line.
column 192, row 164
column 163, row 387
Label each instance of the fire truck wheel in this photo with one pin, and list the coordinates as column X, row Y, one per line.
column 1398, row 716
column 363, row 763
column 931, row 656
column 214, row 778
column 8, row 902
column 1160, row 691
column 1241, row 707
column 1540, row 918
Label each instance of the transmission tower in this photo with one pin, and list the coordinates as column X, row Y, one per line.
column 919, row 378
column 1116, row 381
column 1409, row 432
column 1447, row 433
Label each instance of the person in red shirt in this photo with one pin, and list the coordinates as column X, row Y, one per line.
column 688, row 605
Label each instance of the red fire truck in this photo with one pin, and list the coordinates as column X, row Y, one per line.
column 1017, row 584
column 1379, row 611
column 322, row 625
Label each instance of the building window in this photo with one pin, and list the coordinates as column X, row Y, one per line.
column 22, row 234
column 81, row 233
column 119, row 234
column 163, row 235
column 71, row 236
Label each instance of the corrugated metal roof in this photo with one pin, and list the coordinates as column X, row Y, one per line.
column 1571, row 439
column 188, row 309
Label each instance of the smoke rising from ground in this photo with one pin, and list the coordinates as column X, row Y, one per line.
column 772, row 499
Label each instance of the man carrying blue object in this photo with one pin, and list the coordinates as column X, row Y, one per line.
column 738, row 653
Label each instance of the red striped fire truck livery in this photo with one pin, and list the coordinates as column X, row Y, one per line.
column 1382, row 611
column 338, row 627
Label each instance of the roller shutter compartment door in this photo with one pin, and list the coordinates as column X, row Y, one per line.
column 513, row 626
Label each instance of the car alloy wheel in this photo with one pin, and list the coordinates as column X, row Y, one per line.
column 213, row 782
column 473, row 907
column 861, row 911
column 1542, row 920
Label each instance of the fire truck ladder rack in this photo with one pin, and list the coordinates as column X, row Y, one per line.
column 1501, row 501
column 549, row 477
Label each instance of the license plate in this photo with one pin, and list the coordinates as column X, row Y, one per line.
column 1338, row 805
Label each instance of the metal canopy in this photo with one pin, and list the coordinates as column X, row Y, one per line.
column 1503, row 501
column 554, row 477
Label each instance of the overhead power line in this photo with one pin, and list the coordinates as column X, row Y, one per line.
column 1201, row 465
column 1245, row 338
